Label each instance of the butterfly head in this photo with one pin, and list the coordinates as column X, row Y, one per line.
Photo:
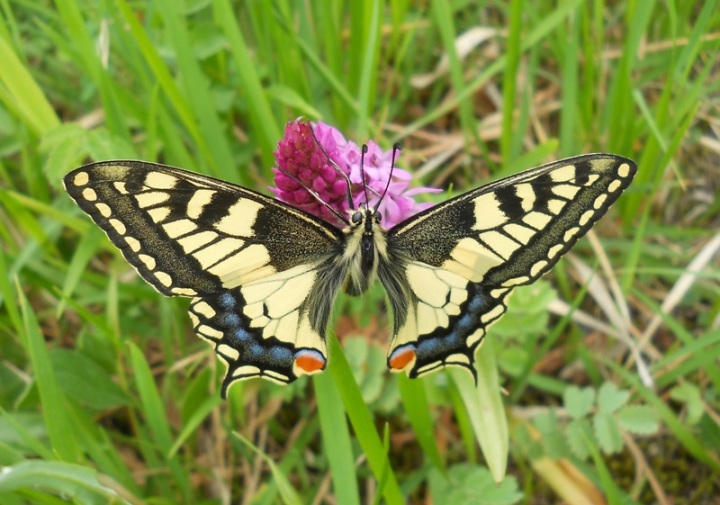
column 365, row 218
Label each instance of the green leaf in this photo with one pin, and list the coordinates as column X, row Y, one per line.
column 610, row 398
column 578, row 402
column 472, row 485
column 65, row 148
column 552, row 438
column 417, row 408
column 87, row 382
column 60, row 430
column 58, row 478
column 640, row 419
column 577, row 433
column 368, row 366
column 527, row 312
column 689, row 394
column 24, row 94
column 102, row 145
column 362, row 421
column 513, row 360
column 336, row 439
column 485, row 408
column 607, row 433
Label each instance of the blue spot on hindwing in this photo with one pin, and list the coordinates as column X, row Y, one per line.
column 281, row 354
column 230, row 319
column 227, row 301
column 476, row 303
column 241, row 335
column 255, row 350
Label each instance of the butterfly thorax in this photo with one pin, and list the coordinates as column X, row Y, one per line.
column 366, row 246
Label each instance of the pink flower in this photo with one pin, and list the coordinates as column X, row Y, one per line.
column 302, row 164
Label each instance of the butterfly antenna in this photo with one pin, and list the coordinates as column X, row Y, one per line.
column 362, row 174
column 337, row 168
column 396, row 148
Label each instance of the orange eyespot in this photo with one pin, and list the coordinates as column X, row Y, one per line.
column 309, row 361
column 401, row 357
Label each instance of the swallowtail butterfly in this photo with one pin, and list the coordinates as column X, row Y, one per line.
column 263, row 275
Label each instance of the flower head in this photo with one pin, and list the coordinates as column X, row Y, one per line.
column 304, row 163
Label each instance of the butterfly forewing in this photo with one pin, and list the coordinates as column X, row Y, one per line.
column 460, row 259
column 250, row 262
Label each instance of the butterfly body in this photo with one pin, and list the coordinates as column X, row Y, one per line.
column 263, row 275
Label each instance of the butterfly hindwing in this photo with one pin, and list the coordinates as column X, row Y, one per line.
column 264, row 328
column 251, row 262
column 456, row 263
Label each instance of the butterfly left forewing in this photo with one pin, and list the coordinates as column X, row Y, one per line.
column 457, row 262
column 187, row 234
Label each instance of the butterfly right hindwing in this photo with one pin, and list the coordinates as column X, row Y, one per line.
column 456, row 263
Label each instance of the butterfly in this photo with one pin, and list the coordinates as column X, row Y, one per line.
column 263, row 275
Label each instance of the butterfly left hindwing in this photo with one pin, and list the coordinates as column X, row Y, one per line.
column 453, row 265
column 252, row 264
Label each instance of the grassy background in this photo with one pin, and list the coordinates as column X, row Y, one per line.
column 609, row 365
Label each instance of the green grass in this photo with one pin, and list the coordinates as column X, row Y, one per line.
column 608, row 366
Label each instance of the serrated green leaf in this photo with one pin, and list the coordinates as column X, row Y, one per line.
column 689, row 394
column 527, row 312
column 640, row 419
column 104, row 146
column 552, row 438
column 513, row 359
column 578, row 402
column 472, row 485
column 611, row 398
column 607, row 433
column 64, row 146
column 577, row 433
